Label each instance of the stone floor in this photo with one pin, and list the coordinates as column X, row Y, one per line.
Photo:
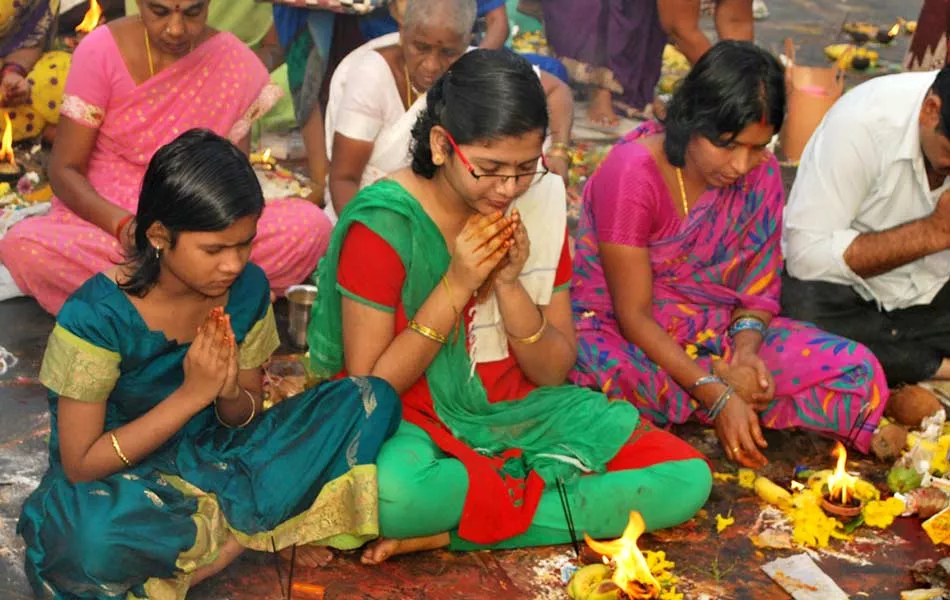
column 711, row 565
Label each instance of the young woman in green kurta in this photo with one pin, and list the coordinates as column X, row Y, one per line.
column 449, row 280
column 163, row 465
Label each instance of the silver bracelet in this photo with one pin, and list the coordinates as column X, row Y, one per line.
column 720, row 403
column 705, row 381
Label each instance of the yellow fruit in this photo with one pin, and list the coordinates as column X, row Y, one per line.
column 586, row 579
column 607, row 590
column 772, row 493
column 834, row 51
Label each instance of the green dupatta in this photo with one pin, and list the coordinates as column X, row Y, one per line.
column 561, row 431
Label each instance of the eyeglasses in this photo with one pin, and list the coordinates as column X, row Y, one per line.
column 519, row 178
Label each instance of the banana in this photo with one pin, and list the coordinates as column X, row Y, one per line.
column 849, row 56
column 834, row 51
column 772, row 493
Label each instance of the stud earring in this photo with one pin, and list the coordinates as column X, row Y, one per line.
column 438, row 160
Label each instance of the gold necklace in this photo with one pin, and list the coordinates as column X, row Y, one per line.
column 679, row 178
column 409, row 89
column 148, row 53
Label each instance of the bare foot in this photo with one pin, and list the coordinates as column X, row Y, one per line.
column 379, row 551
column 601, row 108
column 383, row 549
column 309, row 557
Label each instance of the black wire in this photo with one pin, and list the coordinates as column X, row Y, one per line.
column 566, row 506
column 280, row 576
column 858, row 426
column 290, row 580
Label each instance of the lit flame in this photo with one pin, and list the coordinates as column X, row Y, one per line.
column 894, row 30
column 632, row 573
column 840, row 483
column 6, row 143
column 91, row 20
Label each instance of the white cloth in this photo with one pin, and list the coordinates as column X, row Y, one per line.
column 543, row 209
column 8, row 287
column 863, row 171
column 364, row 104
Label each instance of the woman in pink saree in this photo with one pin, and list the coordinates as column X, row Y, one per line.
column 678, row 268
column 135, row 85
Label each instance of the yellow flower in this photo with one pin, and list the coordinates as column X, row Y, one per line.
column 747, row 478
column 811, row 526
column 881, row 513
column 4, row 188
column 723, row 522
column 724, row 477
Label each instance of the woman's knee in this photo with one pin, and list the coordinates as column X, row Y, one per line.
column 687, row 484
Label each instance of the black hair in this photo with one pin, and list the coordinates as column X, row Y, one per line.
column 733, row 85
column 485, row 94
column 198, row 182
column 941, row 88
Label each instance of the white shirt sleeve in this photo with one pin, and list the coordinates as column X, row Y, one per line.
column 362, row 113
column 837, row 172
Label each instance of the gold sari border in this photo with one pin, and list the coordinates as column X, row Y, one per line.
column 77, row 369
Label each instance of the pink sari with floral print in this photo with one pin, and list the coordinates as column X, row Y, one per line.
column 221, row 86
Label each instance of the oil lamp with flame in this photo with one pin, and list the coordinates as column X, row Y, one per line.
column 840, row 501
column 632, row 574
column 10, row 170
column 92, row 18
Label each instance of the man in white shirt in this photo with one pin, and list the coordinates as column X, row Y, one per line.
column 867, row 226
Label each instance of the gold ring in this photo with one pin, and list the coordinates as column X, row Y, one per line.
column 736, row 450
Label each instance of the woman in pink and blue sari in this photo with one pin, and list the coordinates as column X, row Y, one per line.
column 677, row 274
column 135, row 85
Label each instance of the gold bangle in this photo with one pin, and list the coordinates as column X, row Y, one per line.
column 534, row 337
column 250, row 397
column 427, row 332
column 560, row 146
column 118, row 450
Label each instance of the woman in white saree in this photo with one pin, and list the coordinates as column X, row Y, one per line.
column 378, row 91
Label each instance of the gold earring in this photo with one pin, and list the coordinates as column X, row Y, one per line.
column 438, row 160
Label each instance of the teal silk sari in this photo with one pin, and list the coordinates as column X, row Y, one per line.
column 301, row 473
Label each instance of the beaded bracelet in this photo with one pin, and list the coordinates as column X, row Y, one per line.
column 747, row 324
column 720, row 403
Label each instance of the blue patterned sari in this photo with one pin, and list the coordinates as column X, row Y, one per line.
column 301, row 473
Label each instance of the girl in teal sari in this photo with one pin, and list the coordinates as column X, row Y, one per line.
column 450, row 281
column 163, row 465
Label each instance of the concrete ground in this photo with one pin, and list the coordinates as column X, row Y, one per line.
column 711, row 565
